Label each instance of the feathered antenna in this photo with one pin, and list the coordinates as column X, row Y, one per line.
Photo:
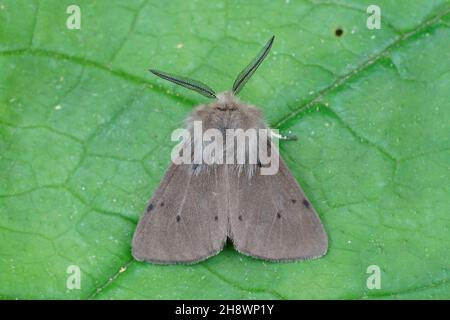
column 205, row 90
column 187, row 83
column 245, row 74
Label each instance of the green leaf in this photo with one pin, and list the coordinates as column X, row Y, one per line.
column 85, row 139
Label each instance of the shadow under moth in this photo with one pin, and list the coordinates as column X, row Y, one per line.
column 197, row 207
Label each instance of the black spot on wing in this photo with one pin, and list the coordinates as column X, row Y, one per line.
column 178, row 218
column 162, row 204
column 216, row 218
column 278, row 215
column 293, row 200
column 240, row 218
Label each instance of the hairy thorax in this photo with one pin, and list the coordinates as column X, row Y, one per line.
column 229, row 114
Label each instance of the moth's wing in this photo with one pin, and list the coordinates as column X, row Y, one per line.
column 185, row 221
column 272, row 218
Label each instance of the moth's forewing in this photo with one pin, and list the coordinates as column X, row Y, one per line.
column 185, row 220
column 271, row 218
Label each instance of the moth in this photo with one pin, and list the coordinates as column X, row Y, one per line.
column 197, row 207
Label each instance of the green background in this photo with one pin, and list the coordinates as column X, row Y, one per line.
column 85, row 139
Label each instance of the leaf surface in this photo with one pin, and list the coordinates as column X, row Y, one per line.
column 85, row 139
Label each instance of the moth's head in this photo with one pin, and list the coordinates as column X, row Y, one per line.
column 226, row 99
